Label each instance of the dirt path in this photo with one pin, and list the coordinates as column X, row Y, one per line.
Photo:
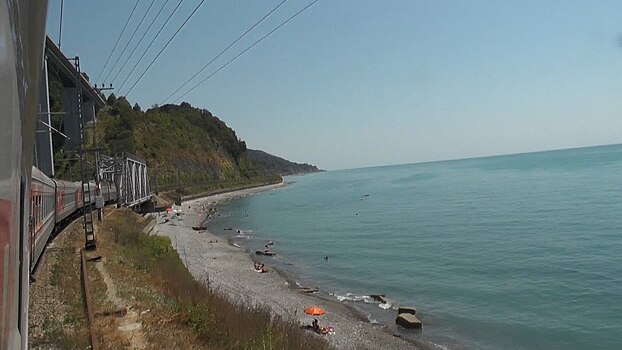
column 129, row 324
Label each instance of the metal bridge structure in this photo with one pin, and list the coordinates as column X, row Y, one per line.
column 129, row 173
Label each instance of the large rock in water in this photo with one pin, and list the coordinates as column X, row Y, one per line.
column 407, row 310
column 379, row 297
column 408, row 321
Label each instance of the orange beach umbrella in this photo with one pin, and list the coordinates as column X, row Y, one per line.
column 314, row 310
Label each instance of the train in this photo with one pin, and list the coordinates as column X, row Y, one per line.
column 53, row 203
column 32, row 206
column 22, row 39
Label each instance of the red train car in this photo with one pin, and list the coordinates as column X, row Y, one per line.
column 68, row 198
column 42, row 213
column 22, row 27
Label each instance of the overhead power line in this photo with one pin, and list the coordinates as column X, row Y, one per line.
column 141, row 39
column 119, row 38
column 248, row 48
column 223, row 51
column 130, row 40
column 165, row 46
column 151, row 43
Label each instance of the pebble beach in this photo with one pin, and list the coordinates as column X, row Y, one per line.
column 229, row 271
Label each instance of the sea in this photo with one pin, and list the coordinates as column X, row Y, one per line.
column 507, row 252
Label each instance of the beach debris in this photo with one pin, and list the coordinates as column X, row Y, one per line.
column 379, row 297
column 199, row 228
column 264, row 252
column 308, row 290
column 407, row 310
column 408, row 321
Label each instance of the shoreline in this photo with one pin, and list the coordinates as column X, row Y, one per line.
column 228, row 269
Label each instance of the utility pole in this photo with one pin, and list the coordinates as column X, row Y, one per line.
column 116, row 179
column 99, row 200
column 60, row 29
column 87, row 204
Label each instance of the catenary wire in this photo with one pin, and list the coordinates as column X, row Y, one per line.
column 151, row 43
column 165, row 46
column 141, row 39
column 248, row 48
column 129, row 41
column 119, row 38
column 223, row 51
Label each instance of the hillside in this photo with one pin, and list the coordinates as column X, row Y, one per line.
column 184, row 146
column 181, row 144
column 270, row 164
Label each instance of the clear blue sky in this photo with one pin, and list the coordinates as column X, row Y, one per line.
column 363, row 83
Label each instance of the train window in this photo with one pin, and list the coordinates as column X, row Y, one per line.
column 36, row 211
column 36, row 199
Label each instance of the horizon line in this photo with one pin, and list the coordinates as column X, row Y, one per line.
column 478, row 157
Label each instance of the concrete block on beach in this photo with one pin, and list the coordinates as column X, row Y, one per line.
column 408, row 321
column 407, row 310
column 149, row 227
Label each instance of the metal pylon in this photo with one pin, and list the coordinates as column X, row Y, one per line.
column 87, row 206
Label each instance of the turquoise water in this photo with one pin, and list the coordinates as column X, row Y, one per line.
column 509, row 252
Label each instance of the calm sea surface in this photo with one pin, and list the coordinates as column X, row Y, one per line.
column 509, row 252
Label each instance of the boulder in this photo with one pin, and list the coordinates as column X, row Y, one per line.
column 407, row 310
column 408, row 321
column 379, row 297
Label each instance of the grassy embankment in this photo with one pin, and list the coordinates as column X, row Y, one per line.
column 183, row 313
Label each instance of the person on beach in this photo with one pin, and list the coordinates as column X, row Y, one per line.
column 315, row 325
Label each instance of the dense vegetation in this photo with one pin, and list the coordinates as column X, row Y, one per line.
column 181, row 144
